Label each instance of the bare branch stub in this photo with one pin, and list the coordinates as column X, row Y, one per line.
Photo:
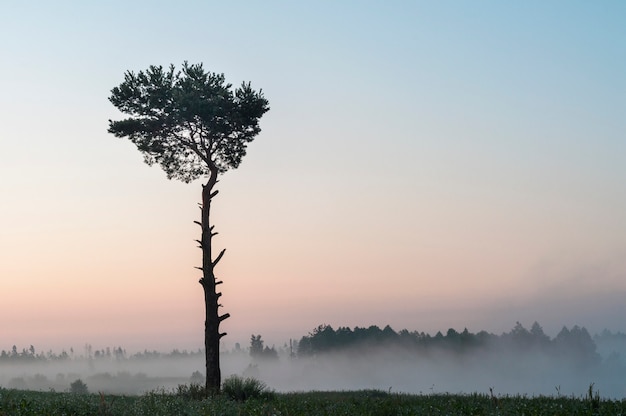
column 219, row 257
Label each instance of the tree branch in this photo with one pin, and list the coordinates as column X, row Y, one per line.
column 219, row 257
column 191, row 144
column 197, row 130
column 207, row 150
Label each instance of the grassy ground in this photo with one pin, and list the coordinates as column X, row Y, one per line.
column 18, row 403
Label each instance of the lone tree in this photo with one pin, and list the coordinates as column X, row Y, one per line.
column 193, row 124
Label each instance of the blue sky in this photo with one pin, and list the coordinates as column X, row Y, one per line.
column 424, row 164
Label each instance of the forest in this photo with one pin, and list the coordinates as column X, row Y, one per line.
column 574, row 345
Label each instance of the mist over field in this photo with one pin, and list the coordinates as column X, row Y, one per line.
column 508, row 368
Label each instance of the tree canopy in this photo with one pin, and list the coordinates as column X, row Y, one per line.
column 191, row 122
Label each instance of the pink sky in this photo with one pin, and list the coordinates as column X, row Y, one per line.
column 421, row 166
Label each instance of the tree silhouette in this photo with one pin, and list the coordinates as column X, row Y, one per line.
column 193, row 124
column 258, row 352
column 256, row 346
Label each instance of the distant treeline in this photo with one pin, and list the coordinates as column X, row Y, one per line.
column 110, row 354
column 573, row 344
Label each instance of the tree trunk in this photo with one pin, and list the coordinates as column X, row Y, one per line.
column 208, row 281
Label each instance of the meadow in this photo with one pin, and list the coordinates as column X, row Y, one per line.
column 365, row 402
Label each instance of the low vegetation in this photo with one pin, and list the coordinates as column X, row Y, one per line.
column 242, row 389
column 185, row 401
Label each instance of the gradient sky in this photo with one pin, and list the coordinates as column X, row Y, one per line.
column 428, row 165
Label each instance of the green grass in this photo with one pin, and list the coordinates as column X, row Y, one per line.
column 23, row 403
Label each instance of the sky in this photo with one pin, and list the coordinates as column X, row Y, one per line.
column 424, row 165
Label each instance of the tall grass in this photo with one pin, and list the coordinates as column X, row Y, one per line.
column 370, row 402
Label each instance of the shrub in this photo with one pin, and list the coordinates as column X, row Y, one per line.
column 242, row 389
column 197, row 378
column 193, row 391
column 78, row 387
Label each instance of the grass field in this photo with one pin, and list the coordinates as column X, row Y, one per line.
column 18, row 403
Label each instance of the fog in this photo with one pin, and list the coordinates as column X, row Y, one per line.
column 398, row 370
column 389, row 368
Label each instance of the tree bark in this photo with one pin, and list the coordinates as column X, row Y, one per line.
column 208, row 281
